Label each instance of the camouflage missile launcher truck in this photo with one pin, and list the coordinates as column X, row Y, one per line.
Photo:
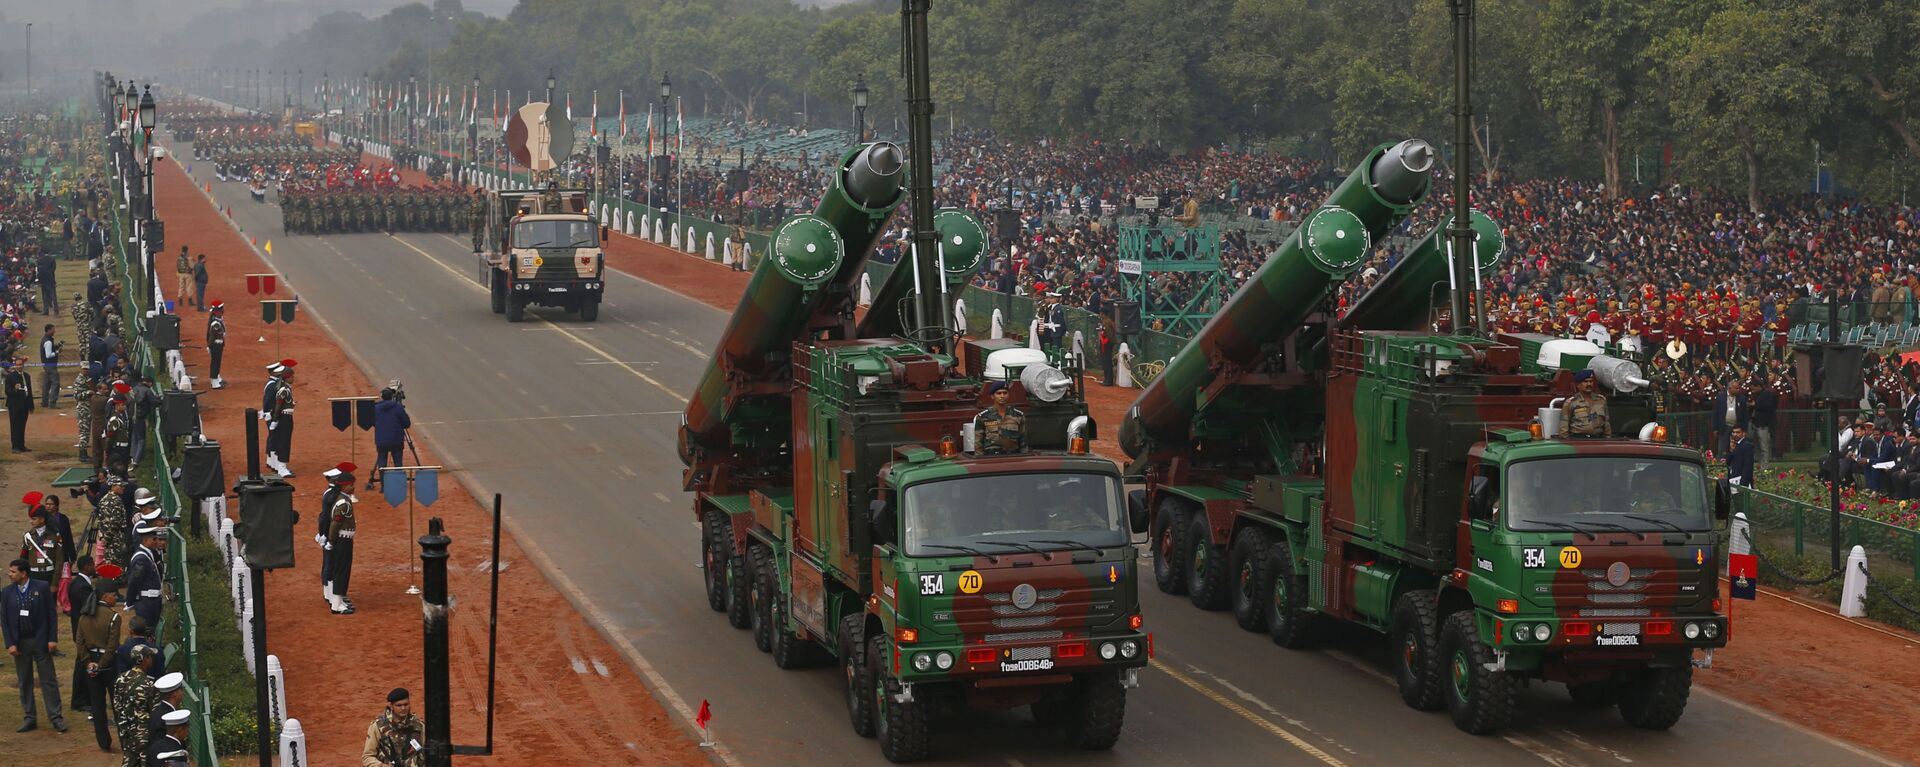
column 1300, row 470
column 542, row 249
column 846, row 516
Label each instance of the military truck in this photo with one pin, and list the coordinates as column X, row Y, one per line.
column 847, row 509
column 543, row 249
column 1371, row 470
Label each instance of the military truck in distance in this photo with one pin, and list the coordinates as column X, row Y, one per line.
column 844, row 515
column 542, row 254
column 1369, row 470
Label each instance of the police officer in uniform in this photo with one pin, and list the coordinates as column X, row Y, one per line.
column 276, row 408
column 1585, row 413
column 339, row 545
column 216, row 341
column 173, row 738
column 327, row 498
column 1001, row 428
column 171, row 690
column 143, row 574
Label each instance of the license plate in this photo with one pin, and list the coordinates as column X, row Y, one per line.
column 556, row 290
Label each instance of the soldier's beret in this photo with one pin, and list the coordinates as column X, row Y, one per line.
column 1582, row 375
column 398, row 694
column 996, row 386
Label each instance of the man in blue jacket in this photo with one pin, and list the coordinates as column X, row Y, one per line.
column 1740, row 459
column 28, row 620
column 390, row 425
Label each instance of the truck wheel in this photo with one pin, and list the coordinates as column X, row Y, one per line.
column 789, row 650
column 1594, row 694
column 762, row 567
column 853, row 664
column 516, row 310
column 716, row 541
column 1169, row 556
column 1414, row 633
column 1252, row 583
column 1097, row 707
column 589, row 309
column 498, row 289
column 904, row 730
column 1289, row 621
column 1654, row 699
column 1206, row 566
column 739, row 592
column 1481, row 701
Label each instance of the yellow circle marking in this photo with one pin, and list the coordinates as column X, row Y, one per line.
column 1569, row 557
column 970, row 582
column 538, row 261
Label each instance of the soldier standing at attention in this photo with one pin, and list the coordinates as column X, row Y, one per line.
column 339, row 545
column 172, row 738
column 133, row 697
column 216, row 341
column 332, row 493
column 1585, row 412
column 102, row 623
column 477, row 218
column 183, row 273
column 1001, row 428
column 393, row 739
column 277, row 410
column 550, row 199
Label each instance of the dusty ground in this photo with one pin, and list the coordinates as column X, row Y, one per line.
column 1855, row 681
column 559, row 678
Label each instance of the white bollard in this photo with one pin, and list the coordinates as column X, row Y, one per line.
column 959, row 315
column 673, row 237
column 996, row 326
column 225, row 539
column 866, row 289
column 710, row 253
column 1033, row 334
column 246, row 636
column 242, row 581
column 1123, row 367
column 605, row 212
column 629, row 227
column 726, row 251
column 746, row 254
column 659, row 230
column 1853, row 592
column 276, row 688
column 293, row 745
column 1079, row 346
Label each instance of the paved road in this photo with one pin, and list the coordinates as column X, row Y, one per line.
column 574, row 424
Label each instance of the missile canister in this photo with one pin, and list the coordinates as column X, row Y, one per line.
column 963, row 242
column 812, row 260
column 1403, row 299
column 1333, row 241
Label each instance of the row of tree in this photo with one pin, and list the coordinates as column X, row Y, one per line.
column 1732, row 93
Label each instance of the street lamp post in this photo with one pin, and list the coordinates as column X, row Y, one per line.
column 149, row 118
column 473, row 127
column 666, row 96
column 860, row 108
column 550, row 84
column 413, row 109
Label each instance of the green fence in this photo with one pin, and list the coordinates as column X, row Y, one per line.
column 1800, row 528
column 178, row 633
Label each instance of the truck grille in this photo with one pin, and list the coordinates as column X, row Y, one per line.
column 1614, row 612
column 1042, row 652
column 1616, row 599
column 1008, row 616
column 1025, row 622
column 1025, row 636
column 1620, row 629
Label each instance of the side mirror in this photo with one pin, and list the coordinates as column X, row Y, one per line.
column 1137, row 511
column 1480, row 499
column 1722, row 499
column 605, row 232
column 880, row 522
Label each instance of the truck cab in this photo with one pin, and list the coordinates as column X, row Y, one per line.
column 544, row 250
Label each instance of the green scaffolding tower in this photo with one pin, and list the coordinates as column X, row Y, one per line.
column 1153, row 256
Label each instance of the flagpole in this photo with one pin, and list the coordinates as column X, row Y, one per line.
column 680, row 166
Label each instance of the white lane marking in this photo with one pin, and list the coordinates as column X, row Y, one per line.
column 579, row 666
column 556, row 327
column 1361, row 666
column 1267, row 707
column 1571, row 737
column 628, row 470
column 663, row 497
column 628, row 362
column 600, row 668
column 1544, row 752
column 550, row 417
column 1258, row 721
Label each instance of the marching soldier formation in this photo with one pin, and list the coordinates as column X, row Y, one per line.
column 337, row 210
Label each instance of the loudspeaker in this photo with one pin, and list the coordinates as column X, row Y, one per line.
column 1829, row 371
column 662, row 166
column 156, row 232
column 603, row 152
column 1006, row 223
column 266, row 523
column 1126, row 317
column 201, row 475
column 737, row 181
column 179, row 413
column 165, row 333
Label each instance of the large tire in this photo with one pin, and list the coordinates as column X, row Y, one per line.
column 1654, row 699
column 739, row 592
column 789, row 650
column 1414, row 636
column 859, row 675
column 516, row 310
column 498, row 290
column 905, row 730
column 1169, row 554
column 1252, row 582
column 1289, row 622
column 589, row 309
column 1097, row 708
column 1481, row 701
column 716, row 544
column 1207, row 582
column 762, row 595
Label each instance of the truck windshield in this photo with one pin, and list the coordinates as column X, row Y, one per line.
column 1602, row 493
column 554, row 234
column 1006, row 513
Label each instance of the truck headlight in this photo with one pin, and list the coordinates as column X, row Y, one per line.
column 944, row 660
column 1692, row 631
column 1107, row 650
column 1129, row 649
column 1522, row 632
column 922, row 661
column 1542, row 632
column 1710, row 630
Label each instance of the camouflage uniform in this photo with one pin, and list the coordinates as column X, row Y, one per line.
column 1586, row 415
column 116, row 535
column 390, row 210
column 82, row 321
column 997, row 433
column 83, row 414
column 133, row 699
column 391, row 741
column 477, row 221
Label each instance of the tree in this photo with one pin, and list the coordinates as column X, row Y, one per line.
column 1591, row 65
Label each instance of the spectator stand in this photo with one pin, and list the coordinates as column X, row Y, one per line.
column 1175, row 274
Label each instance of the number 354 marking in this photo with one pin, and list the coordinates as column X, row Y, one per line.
column 932, row 584
column 1533, row 558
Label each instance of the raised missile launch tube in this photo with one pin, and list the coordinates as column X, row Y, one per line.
column 1333, row 241
column 963, row 242
column 1403, row 298
column 808, row 253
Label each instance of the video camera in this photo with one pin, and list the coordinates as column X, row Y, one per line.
column 394, row 390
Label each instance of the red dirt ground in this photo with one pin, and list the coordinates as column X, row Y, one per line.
column 340, row 667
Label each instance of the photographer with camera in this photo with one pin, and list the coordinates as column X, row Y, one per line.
column 49, row 368
column 390, row 425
